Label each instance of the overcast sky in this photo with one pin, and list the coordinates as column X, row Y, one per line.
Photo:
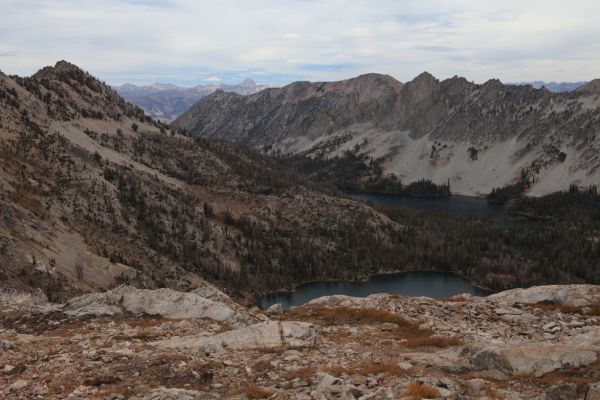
column 279, row 41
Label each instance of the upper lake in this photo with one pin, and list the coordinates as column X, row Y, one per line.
column 458, row 206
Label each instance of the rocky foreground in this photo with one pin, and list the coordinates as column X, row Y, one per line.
column 538, row 343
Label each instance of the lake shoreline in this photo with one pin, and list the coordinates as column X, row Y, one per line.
column 294, row 289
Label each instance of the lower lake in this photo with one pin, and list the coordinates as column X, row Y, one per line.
column 431, row 284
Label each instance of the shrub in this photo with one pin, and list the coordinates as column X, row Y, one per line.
column 421, row 391
column 254, row 392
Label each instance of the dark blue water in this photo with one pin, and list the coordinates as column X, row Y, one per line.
column 431, row 284
column 458, row 206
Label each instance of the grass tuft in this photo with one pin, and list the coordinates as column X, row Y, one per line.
column 255, row 392
column 421, row 391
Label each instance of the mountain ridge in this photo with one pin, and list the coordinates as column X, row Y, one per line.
column 422, row 128
column 166, row 101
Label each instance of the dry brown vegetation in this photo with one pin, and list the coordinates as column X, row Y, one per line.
column 493, row 393
column 172, row 357
column 261, row 365
column 421, row 391
column 350, row 316
column 151, row 323
column 302, row 373
column 255, row 392
column 595, row 311
column 144, row 334
column 408, row 330
column 368, row 368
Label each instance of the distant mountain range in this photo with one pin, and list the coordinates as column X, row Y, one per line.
column 166, row 102
column 556, row 87
column 477, row 137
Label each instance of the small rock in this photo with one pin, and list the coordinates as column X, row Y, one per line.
column 476, row 385
column 405, row 365
column 275, row 309
column 19, row 384
column 387, row 326
column 564, row 391
column 593, row 392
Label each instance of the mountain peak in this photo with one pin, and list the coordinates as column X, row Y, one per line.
column 63, row 64
column 248, row 82
column 61, row 67
column 425, row 76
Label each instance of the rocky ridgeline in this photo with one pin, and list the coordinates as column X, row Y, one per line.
column 477, row 137
column 538, row 343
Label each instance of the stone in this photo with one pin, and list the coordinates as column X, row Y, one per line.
column 491, row 359
column 19, row 384
column 174, row 394
column 387, row 326
column 574, row 295
column 476, row 385
column 330, row 386
column 589, row 338
column 593, row 392
column 508, row 311
column 275, row 309
column 272, row 334
column 405, row 365
column 564, row 391
column 5, row 346
column 551, row 326
column 167, row 303
column 380, row 394
column 39, row 297
column 534, row 358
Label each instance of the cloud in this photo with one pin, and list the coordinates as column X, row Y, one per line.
column 213, row 79
column 279, row 40
column 292, row 35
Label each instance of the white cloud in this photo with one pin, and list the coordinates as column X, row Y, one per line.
column 292, row 35
column 513, row 40
column 213, row 79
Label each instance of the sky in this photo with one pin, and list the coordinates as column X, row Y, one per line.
column 191, row 42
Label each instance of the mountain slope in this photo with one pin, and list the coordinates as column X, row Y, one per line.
column 166, row 101
column 94, row 193
column 476, row 136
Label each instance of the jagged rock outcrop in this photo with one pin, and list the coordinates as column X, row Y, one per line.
column 477, row 136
